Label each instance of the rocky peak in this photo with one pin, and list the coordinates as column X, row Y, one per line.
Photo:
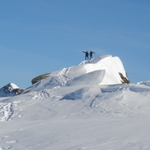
column 10, row 90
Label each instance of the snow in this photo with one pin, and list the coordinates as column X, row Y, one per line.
column 84, row 107
column 99, row 71
column 14, row 86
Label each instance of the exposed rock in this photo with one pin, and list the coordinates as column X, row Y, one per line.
column 38, row 78
column 10, row 90
column 124, row 79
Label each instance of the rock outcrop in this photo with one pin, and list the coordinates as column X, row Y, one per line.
column 10, row 90
column 40, row 77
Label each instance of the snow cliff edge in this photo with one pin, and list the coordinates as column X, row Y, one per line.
column 104, row 70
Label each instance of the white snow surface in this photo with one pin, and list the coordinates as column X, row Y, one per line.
column 102, row 70
column 75, row 109
column 14, row 86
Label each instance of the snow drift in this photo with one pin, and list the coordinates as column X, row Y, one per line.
column 84, row 107
column 103, row 70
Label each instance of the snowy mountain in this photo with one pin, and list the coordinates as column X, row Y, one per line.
column 10, row 90
column 84, row 107
column 98, row 71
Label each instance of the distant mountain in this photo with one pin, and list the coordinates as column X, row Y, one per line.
column 10, row 90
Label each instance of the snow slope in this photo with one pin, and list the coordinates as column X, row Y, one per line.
column 74, row 109
column 97, row 71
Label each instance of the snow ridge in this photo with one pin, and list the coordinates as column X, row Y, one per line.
column 98, row 71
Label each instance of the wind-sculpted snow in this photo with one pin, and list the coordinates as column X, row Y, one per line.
column 78, row 117
column 123, row 101
column 98, row 71
column 115, row 100
column 90, row 78
column 118, row 101
column 73, row 110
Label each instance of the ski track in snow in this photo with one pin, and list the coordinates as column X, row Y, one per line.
column 8, row 110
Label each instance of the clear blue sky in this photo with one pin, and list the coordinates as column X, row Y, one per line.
column 42, row 36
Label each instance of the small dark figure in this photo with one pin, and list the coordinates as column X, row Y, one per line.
column 91, row 54
column 86, row 55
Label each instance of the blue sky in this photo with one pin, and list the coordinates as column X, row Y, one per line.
column 42, row 36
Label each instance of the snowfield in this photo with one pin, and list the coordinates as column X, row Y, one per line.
column 84, row 107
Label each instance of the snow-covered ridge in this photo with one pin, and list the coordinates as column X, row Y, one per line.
column 102, row 70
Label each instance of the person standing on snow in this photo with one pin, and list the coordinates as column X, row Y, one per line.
column 86, row 55
column 91, row 54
